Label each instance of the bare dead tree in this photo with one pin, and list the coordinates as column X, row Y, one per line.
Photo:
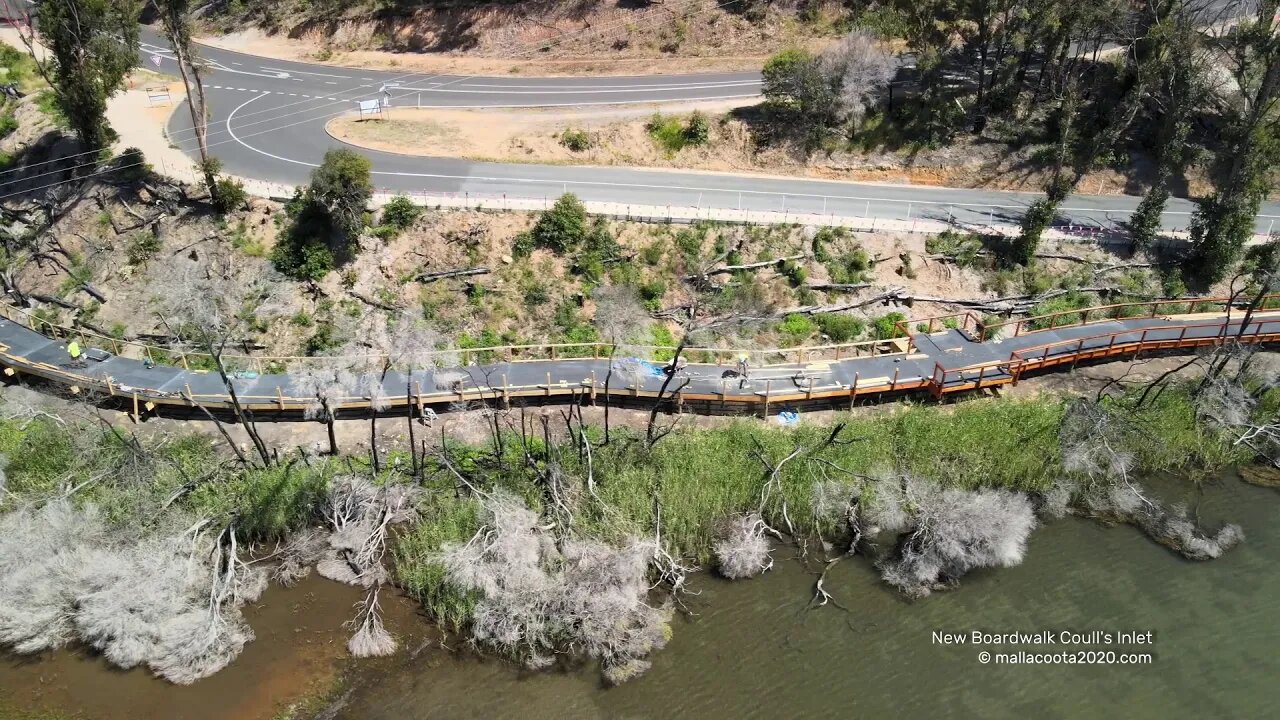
column 204, row 308
column 861, row 67
column 326, row 383
column 175, row 19
column 621, row 318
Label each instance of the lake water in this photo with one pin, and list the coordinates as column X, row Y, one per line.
column 752, row 649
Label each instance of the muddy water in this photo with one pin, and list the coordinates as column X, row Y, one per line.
column 299, row 652
column 751, row 649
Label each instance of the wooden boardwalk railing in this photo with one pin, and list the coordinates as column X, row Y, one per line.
column 194, row 359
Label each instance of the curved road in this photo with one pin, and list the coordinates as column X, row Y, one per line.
column 268, row 117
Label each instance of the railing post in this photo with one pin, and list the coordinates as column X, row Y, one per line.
column 548, row 384
column 893, row 385
column 809, row 391
column 768, row 388
column 1044, row 358
column 1141, row 340
column 593, row 388
column 506, row 392
column 853, row 391
column 1076, row 358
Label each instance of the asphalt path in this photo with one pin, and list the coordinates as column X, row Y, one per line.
column 955, row 352
column 268, row 118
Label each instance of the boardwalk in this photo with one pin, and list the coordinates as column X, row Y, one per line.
column 960, row 355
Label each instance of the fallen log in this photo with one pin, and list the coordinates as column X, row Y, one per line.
column 375, row 303
column 838, row 287
column 446, row 274
column 55, row 301
column 727, row 269
column 895, row 293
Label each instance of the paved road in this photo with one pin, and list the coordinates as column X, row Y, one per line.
column 268, row 120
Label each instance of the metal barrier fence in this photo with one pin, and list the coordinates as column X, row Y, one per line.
column 917, row 217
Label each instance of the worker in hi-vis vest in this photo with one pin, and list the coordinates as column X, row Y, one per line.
column 73, row 349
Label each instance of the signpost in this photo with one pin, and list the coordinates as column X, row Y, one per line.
column 157, row 95
column 369, row 108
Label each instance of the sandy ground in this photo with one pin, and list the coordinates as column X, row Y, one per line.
column 139, row 121
column 619, row 137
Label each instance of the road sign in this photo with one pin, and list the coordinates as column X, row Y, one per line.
column 157, row 95
column 156, row 59
column 369, row 107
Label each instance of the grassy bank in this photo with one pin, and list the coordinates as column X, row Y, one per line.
column 701, row 477
column 697, row 478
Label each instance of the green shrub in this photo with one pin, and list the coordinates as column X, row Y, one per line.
column 850, row 268
column 794, row 272
column 522, row 245
column 963, row 247
column 698, row 130
column 886, row 327
column 563, row 227
column 840, row 328
column 400, row 213
column 667, row 132
column 536, row 294
column 131, row 166
column 8, row 123
column 652, row 254
column 1060, row 304
column 142, row 247
column 231, row 195
column 311, row 261
column 575, row 140
column 796, row 328
column 653, row 290
column 385, row 233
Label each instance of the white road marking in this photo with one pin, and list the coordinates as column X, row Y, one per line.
column 579, row 92
column 302, row 72
column 637, row 86
column 599, row 183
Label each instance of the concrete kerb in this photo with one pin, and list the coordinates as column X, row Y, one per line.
column 691, row 214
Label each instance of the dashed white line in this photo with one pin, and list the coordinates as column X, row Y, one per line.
column 303, row 72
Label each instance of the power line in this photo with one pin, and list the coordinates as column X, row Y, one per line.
column 179, row 141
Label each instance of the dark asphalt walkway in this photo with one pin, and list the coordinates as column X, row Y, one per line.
column 936, row 364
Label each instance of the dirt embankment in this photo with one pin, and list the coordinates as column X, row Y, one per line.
column 592, row 37
column 626, row 137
